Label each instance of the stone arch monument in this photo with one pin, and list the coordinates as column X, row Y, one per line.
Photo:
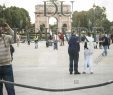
column 61, row 13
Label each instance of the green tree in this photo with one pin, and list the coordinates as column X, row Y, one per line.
column 111, row 27
column 97, row 15
column 94, row 17
column 106, row 24
column 80, row 19
column 16, row 17
column 2, row 19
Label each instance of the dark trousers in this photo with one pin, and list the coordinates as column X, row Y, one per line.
column 73, row 57
column 28, row 42
column 6, row 73
column 55, row 45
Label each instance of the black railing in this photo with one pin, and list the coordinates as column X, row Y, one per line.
column 58, row 90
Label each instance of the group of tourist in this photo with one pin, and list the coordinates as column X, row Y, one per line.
column 89, row 46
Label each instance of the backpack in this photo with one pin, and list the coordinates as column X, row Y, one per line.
column 105, row 41
column 12, row 50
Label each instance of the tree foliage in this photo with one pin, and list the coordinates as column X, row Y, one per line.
column 94, row 17
column 16, row 17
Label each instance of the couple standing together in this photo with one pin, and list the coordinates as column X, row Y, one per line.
column 73, row 51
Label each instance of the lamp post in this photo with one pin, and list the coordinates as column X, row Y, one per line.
column 72, row 6
column 94, row 23
column 3, row 13
column 71, row 13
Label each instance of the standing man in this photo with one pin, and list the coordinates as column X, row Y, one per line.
column 36, row 41
column 6, row 72
column 62, row 39
column 73, row 51
column 55, row 40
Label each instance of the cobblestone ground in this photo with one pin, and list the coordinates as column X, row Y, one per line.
column 48, row 68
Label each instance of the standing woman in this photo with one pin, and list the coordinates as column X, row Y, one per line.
column 88, row 54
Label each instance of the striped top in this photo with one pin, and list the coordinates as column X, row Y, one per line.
column 5, row 41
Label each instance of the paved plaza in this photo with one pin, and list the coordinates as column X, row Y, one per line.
column 48, row 68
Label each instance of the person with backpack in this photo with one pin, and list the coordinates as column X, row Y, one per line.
column 6, row 70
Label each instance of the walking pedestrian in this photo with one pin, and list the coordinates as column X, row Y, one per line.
column 36, row 41
column 61, row 39
column 6, row 71
column 55, row 41
column 105, row 45
column 18, row 39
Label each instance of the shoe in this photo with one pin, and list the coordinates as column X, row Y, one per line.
column 91, row 73
column 84, row 73
column 87, row 65
column 102, row 54
column 71, row 73
column 77, row 73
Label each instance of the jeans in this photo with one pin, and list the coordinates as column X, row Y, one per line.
column 88, row 63
column 6, row 73
column 73, row 57
column 36, row 45
column 105, row 50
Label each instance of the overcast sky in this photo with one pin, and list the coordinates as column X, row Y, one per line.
column 79, row 5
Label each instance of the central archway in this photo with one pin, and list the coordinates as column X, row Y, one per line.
column 53, row 24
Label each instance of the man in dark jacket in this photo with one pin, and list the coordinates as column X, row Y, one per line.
column 105, row 45
column 73, row 50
